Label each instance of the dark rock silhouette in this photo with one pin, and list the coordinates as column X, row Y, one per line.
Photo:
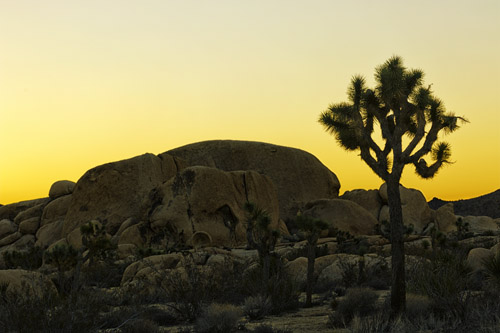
column 484, row 205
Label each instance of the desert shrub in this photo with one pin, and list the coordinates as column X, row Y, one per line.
column 218, row 318
column 357, row 302
column 29, row 260
column 139, row 326
column 349, row 272
column 347, row 243
column 161, row 316
column 418, row 306
column 378, row 322
column 189, row 288
column 320, row 251
column 484, row 313
column 443, row 279
column 281, row 287
column 463, row 229
column 144, row 252
column 49, row 312
column 377, row 275
column 188, row 291
column 491, row 266
column 384, row 229
column 264, row 328
column 257, row 307
column 355, row 273
column 103, row 274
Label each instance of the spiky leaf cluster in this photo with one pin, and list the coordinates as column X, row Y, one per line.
column 310, row 224
column 402, row 106
column 262, row 236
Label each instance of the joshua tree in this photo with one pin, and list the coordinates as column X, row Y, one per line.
column 260, row 236
column 95, row 245
column 403, row 108
column 312, row 228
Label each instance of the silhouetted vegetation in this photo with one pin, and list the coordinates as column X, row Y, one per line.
column 402, row 106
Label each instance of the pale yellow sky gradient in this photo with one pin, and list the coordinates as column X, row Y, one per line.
column 84, row 83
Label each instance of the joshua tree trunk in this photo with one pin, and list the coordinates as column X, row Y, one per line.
column 311, row 256
column 398, row 288
column 266, row 267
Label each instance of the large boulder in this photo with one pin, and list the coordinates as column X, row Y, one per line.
column 11, row 238
column 211, row 200
column 49, row 234
column 416, row 211
column 342, row 214
column 60, row 188
column 299, row 177
column 445, row 218
column 479, row 224
column 115, row 191
column 10, row 211
column 476, row 257
column 29, row 226
column 7, row 227
column 368, row 199
column 55, row 210
column 35, row 211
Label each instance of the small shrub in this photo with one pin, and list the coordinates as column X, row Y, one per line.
column 463, row 229
column 28, row 260
column 218, row 318
column 417, row 306
column 492, row 270
column 48, row 312
column 264, row 328
column 357, row 301
column 257, row 307
column 140, row 326
column 189, row 288
column 443, row 279
column 378, row 322
column 281, row 288
column 142, row 252
column 377, row 275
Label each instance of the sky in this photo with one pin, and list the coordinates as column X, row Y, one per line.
column 83, row 83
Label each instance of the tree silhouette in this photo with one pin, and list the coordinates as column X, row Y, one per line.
column 261, row 236
column 404, row 109
column 312, row 228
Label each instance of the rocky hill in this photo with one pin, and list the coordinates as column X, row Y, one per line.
column 484, row 205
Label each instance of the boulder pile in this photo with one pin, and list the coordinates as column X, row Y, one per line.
column 195, row 195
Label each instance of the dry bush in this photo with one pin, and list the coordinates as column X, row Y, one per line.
column 281, row 288
column 444, row 280
column 418, row 306
column 257, row 307
column 357, row 302
column 218, row 318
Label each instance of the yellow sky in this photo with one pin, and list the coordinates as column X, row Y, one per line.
column 84, row 83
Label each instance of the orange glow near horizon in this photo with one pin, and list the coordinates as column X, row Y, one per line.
column 84, row 83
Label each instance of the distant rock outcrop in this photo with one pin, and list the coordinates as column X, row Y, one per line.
column 485, row 205
column 299, row 177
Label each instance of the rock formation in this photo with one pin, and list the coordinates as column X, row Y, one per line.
column 299, row 177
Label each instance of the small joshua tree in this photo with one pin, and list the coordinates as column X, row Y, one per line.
column 64, row 258
column 261, row 236
column 96, row 245
column 312, row 228
column 403, row 108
